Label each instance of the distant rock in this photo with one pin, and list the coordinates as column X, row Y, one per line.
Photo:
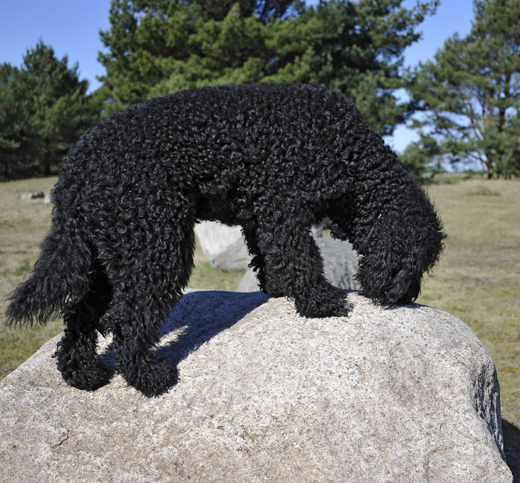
column 31, row 195
column 223, row 246
column 317, row 231
column 401, row 395
column 340, row 263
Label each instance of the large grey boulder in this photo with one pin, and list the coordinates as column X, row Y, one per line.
column 340, row 263
column 223, row 246
column 407, row 395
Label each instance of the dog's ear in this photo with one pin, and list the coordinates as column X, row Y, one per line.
column 391, row 272
column 388, row 278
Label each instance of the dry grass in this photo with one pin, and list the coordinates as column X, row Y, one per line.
column 477, row 280
column 22, row 226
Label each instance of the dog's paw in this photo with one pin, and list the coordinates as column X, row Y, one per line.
column 271, row 288
column 88, row 374
column 153, row 377
column 328, row 304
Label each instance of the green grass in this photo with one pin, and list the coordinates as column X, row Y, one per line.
column 205, row 276
column 477, row 279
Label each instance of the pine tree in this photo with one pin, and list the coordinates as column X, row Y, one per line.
column 160, row 46
column 471, row 92
column 44, row 109
column 414, row 157
column 11, row 127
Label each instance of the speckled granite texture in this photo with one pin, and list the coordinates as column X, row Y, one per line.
column 402, row 395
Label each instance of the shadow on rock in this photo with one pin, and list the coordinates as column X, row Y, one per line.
column 197, row 318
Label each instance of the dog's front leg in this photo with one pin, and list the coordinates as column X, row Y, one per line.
column 258, row 263
column 293, row 267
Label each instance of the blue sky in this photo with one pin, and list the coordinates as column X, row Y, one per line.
column 72, row 28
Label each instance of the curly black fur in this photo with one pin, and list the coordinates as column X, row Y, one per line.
column 274, row 159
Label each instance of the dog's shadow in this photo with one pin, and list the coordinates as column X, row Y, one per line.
column 198, row 317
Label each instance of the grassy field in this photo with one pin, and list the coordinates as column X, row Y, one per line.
column 477, row 280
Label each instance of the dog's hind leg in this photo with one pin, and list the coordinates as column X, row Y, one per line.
column 147, row 285
column 293, row 265
column 76, row 355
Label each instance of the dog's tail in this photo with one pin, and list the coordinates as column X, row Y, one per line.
column 61, row 274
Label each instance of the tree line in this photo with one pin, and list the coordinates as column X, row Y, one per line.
column 463, row 103
column 469, row 95
column 44, row 108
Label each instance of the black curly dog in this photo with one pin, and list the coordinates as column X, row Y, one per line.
column 274, row 159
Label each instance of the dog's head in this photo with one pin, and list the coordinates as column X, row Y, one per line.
column 397, row 248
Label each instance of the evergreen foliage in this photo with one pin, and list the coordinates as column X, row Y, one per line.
column 44, row 109
column 11, row 133
column 471, row 93
column 156, row 47
column 414, row 156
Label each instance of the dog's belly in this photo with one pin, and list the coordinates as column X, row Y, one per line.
column 218, row 209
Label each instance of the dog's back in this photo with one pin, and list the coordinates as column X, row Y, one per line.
column 220, row 143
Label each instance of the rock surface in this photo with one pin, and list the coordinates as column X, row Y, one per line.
column 223, row 246
column 339, row 263
column 407, row 395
